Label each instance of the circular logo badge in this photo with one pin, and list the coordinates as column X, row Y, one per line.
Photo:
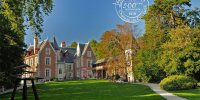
column 130, row 10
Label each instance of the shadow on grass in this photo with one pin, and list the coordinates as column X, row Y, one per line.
column 192, row 94
column 89, row 90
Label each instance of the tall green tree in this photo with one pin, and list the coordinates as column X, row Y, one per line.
column 161, row 19
column 181, row 54
column 15, row 17
column 96, row 48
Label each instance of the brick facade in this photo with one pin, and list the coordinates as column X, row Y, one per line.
column 50, row 61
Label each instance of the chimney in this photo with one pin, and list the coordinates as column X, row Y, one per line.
column 35, row 43
column 78, row 50
column 63, row 44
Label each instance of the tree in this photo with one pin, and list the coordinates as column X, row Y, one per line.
column 96, row 48
column 161, row 19
column 114, row 43
column 73, row 45
column 15, row 17
column 105, row 46
column 181, row 55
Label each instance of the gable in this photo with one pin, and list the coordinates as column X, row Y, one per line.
column 86, row 49
column 47, row 44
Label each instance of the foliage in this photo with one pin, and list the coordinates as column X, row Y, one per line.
column 178, row 82
column 2, row 77
column 147, row 69
column 73, row 45
column 15, row 17
column 89, row 90
column 113, row 44
column 181, row 55
column 170, row 44
column 95, row 47
column 198, row 84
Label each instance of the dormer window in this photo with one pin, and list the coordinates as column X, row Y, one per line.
column 89, row 53
column 47, row 51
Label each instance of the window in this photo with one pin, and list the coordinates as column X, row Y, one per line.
column 89, row 53
column 70, row 75
column 70, row 67
column 89, row 63
column 47, row 60
column 27, row 62
column 60, row 71
column 47, row 73
column 47, row 51
column 31, row 62
column 36, row 61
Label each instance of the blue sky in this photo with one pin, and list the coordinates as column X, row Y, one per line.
column 82, row 20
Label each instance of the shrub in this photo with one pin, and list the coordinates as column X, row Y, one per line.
column 178, row 82
column 198, row 84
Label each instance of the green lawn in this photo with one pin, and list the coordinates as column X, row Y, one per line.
column 192, row 94
column 89, row 90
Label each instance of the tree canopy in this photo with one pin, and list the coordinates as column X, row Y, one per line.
column 16, row 16
column 73, row 45
column 169, row 45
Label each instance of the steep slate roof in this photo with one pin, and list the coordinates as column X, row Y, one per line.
column 69, row 50
column 69, row 55
column 54, row 43
column 82, row 46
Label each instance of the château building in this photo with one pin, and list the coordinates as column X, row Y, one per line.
column 49, row 60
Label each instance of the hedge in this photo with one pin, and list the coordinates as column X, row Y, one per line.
column 178, row 82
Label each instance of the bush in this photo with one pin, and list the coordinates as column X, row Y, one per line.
column 198, row 84
column 178, row 82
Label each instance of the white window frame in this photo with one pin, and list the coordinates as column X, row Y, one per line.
column 89, row 53
column 27, row 61
column 49, row 72
column 70, row 75
column 60, row 71
column 70, row 67
column 31, row 62
column 89, row 64
column 47, row 51
column 46, row 63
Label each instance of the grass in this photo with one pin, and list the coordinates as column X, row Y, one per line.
column 192, row 94
column 89, row 90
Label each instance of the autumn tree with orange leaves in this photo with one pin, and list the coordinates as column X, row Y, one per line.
column 113, row 45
